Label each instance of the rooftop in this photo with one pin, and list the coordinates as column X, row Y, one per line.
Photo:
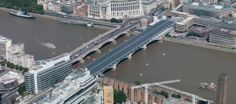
column 3, row 39
column 209, row 6
column 67, row 88
column 46, row 64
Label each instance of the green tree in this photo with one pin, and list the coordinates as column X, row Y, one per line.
column 165, row 94
column 137, row 82
column 119, row 96
column 178, row 96
column 30, row 5
column 202, row 102
column 116, row 20
column 22, row 90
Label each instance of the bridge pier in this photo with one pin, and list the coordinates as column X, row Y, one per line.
column 114, row 67
column 129, row 56
column 144, row 47
column 127, row 34
column 81, row 61
column 98, row 51
column 193, row 100
column 114, row 41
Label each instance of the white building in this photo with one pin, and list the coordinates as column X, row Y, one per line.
column 17, row 56
column 47, row 73
column 5, row 44
column 119, row 9
column 73, row 90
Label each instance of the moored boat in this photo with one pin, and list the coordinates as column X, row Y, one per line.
column 208, row 86
column 23, row 14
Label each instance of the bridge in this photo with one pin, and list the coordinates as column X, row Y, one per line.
column 94, row 45
column 127, row 49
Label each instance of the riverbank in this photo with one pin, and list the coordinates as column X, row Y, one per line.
column 35, row 14
column 201, row 44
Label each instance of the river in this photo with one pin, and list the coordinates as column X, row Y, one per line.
column 167, row 61
column 44, row 30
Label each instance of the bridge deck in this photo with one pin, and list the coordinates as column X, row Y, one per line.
column 101, row 63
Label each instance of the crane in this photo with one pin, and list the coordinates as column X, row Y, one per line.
column 146, row 85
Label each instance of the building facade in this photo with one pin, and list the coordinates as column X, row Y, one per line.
column 108, row 94
column 119, row 9
column 222, row 38
column 47, row 73
column 73, row 90
column 207, row 10
column 5, row 45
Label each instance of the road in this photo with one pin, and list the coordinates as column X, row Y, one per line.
column 101, row 63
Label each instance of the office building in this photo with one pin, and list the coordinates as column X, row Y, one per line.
column 73, row 90
column 222, row 89
column 208, row 10
column 183, row 24
column 108, row 94
column 5, row 44
column 8, row 86
column 47, row 73
column 119, row 9
column 223, row 38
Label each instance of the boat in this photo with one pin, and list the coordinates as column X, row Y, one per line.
column 23, row 14
column 49, row 45
column 208, row 86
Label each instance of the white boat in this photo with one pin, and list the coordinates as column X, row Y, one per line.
column 23, row 14
column 208, row 86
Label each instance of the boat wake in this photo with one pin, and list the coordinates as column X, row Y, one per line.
column 48, row 45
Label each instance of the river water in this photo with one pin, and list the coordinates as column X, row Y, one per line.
column 167, row 61
column 42, row 30
column 160, row 61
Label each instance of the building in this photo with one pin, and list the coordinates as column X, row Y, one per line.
column 81, row 10
column 208, row 10
column 206, row 1
column 17, row 56
column 5, row 44
column 183, row 24
column 119, row 9
column 52, row 6
column 68, row 6
column 222, row 89
column 223, row 38
column 47, row 73
column 149, row 5
column 73, row 90
column 9, row 81
column 108, row 94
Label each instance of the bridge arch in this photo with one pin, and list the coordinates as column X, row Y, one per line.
column 104, row 44
column 119, row 36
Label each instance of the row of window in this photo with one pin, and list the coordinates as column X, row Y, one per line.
column 125, row 4
column 122, row 13
column 124, row 8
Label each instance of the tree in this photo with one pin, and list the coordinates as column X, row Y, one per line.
column 165, row 94
column 22, row 90
column 137, row 82
column 119, row 96
column 178, row 96
column 202, row 102
column 116, row 20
